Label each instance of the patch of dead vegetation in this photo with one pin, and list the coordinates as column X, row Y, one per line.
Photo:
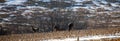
column 59, row 34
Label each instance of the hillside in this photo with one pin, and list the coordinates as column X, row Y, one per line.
column 64, row 20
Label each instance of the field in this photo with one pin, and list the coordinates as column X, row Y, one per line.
column 64, row 34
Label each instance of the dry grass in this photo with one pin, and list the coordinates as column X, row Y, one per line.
column 58, row 34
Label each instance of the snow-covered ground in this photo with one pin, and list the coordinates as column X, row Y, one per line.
column 97, row 37
column 97, row 4
column 15, row 2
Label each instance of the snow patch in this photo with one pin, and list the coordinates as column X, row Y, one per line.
column 85, row 38
column 15, row 2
